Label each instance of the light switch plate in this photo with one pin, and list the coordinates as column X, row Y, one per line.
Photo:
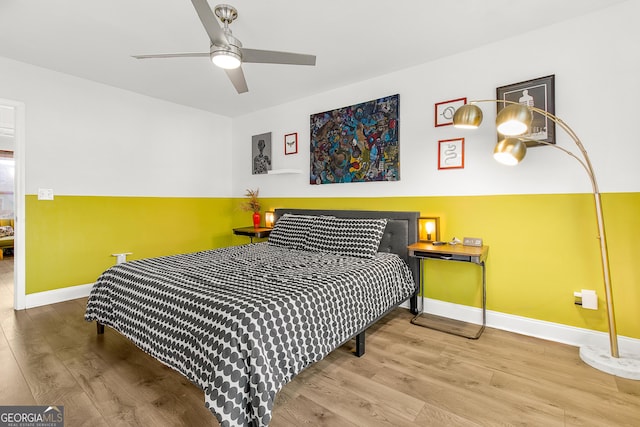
column 472, row 241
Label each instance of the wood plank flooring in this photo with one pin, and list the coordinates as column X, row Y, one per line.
column 409, row 376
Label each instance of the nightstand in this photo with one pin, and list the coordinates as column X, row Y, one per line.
column 253, row 232
column 460, row 253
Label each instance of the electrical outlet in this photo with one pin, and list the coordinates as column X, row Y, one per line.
column 587, row 298
column 45, row 193
column 472, row 241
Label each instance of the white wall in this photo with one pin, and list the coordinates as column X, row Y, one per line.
column 85, row 138
column 595, row 61
column 7, row 128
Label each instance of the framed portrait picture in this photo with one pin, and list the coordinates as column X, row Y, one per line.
column 445, row 110
column 539, row 93
column 451, row 153
column 291, row 143
column 261, row 153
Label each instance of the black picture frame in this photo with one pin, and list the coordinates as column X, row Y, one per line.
column 539, row 93
column 261, row 153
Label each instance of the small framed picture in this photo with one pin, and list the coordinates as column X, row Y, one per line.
column 451, row 153
column 539, row 93
column 444, row 111
column 261, row 153
column 291, row 143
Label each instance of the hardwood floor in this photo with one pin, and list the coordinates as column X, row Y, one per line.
column 409, row 376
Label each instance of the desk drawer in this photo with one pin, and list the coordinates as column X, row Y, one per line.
column 454, row 257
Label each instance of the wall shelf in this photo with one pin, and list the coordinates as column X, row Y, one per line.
column 283, row 171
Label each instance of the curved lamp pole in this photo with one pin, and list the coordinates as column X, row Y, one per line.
column 513, row 120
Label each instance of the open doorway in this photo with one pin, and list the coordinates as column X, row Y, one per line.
column 12, row 211
column 7, row 197
column 7, row 203
column 7, row 200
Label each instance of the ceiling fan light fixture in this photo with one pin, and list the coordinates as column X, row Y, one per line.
column 226, row 59
column 226, row 51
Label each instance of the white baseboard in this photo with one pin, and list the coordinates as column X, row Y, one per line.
column 531, row 327
column 508, row 322
column 57, row 295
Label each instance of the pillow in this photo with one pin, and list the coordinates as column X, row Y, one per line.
column 6, row 230
column 358, row 237
column 290, row 231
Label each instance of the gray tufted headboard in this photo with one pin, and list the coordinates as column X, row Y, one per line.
column 401, row 230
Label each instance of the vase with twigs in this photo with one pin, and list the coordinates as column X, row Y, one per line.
column 252, row 204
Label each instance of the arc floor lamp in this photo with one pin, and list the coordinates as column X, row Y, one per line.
column 514, row 120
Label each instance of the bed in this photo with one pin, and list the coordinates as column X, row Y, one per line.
column 240, row 322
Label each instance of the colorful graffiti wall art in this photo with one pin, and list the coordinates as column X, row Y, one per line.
column 358, row 143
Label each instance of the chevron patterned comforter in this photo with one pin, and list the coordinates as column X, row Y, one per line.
column 240, row 322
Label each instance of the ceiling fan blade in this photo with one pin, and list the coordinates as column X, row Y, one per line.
column 170, row 55
column 236, row 76
column 275, row 57
column 210, row 23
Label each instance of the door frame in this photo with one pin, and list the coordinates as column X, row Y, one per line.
column 19, row 269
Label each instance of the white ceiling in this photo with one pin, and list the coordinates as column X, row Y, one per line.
column 353, row 40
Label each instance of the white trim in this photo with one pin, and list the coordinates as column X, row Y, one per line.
column 19, row 253
column 571, row 335
column 58, row 295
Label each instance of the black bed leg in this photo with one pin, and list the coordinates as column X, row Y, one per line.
column 413, row 303
column 360, row 344
column 100, row 328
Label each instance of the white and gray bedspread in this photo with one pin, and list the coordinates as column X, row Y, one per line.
column 240, row 322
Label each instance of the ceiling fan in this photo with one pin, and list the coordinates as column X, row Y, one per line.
column 227, row 52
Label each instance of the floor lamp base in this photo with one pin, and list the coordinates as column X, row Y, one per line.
column 601, row 359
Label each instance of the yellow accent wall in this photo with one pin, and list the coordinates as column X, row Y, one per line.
column 69, row 240
column 542, row 247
